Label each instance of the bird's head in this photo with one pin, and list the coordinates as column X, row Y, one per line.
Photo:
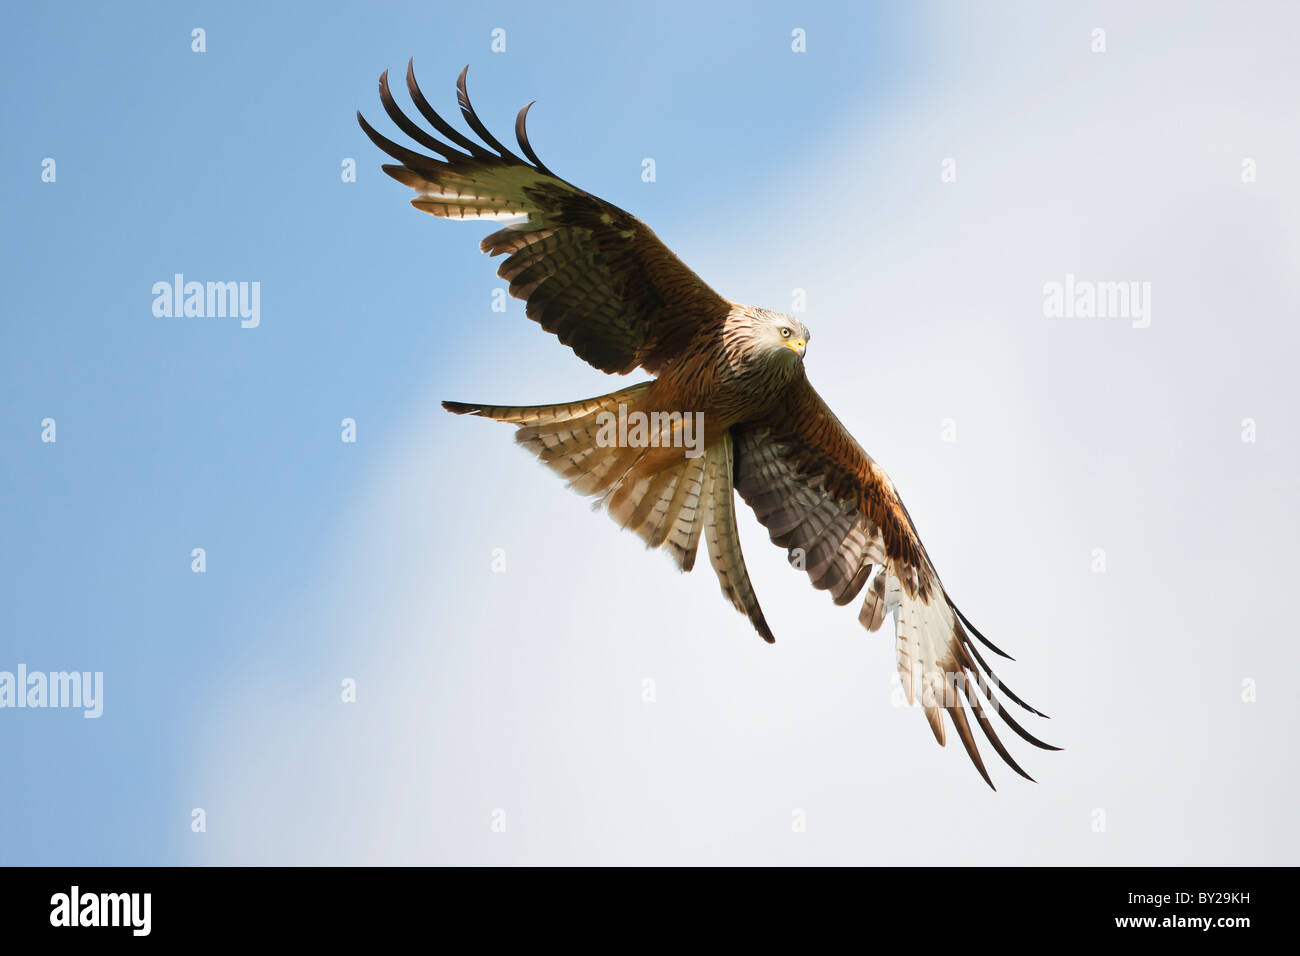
column 783, row 335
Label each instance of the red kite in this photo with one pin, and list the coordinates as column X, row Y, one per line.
column 730, row 408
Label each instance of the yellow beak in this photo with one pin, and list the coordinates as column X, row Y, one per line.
column 797, row 346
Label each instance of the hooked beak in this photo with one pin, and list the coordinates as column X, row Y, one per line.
column 797, row 346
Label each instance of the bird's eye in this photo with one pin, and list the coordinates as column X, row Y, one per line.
column 785, row 333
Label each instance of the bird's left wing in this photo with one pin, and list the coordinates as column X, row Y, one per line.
column 838, row 515
column 594, row 275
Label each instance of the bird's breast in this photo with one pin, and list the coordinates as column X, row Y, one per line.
column 727, row 388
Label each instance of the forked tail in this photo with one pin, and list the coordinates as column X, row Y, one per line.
column 666, row 495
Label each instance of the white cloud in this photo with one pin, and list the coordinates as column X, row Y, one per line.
column 523, row 690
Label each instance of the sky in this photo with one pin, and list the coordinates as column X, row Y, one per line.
column 418, row 648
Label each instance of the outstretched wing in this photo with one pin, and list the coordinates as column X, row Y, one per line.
column 591, row 273
column 836, row 512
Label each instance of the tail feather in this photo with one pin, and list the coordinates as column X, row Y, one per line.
column 679, row 529
column 724, row 539
column 653, row 503
column 547, row 414
column 670, row 500
column 656, row 496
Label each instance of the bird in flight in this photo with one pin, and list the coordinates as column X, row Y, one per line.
column 730, row 409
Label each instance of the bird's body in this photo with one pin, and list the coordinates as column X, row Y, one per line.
column 729, row 409
column 728, row 382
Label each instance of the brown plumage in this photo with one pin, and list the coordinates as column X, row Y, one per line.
column 730, row 410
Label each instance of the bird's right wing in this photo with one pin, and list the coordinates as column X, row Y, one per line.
column 592, row 274
column 836, row 512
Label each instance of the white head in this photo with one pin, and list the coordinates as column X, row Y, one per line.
column 781, row 335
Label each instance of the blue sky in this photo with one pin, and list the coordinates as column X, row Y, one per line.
column 180, row 433
column 176, row 433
